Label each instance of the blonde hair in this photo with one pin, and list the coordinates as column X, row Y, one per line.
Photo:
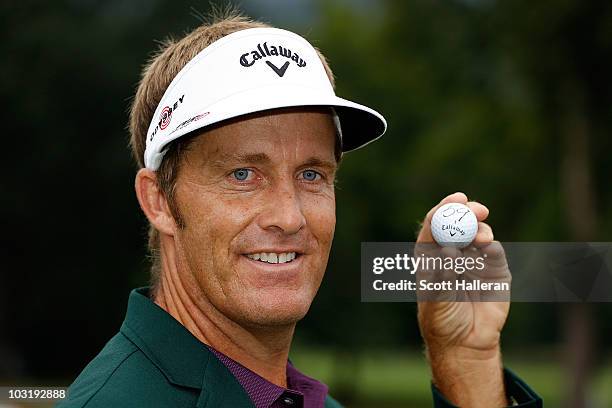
column 171, row 56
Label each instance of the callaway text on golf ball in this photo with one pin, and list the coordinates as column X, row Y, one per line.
column 455, row 225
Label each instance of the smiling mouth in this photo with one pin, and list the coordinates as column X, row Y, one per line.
column 273, row 258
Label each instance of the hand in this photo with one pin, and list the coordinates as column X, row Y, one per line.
column 462, row 338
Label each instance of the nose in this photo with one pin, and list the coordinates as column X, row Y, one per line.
column 283, row 211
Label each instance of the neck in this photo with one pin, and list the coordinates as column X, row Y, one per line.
column 263, row 350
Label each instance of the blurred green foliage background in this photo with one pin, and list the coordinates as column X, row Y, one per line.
column 508, row 101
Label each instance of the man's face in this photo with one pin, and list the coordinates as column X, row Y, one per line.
column 261, row 187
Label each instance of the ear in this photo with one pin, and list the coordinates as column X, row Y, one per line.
column 153, row 202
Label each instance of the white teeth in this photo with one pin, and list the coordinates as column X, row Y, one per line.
column 273, row 258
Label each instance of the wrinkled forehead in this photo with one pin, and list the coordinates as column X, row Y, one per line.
column 285, row 134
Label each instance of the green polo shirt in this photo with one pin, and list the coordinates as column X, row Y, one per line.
column 154, row 361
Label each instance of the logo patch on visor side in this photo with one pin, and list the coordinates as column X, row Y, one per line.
column 166, row 116
column 263, row 51
column 190, row 121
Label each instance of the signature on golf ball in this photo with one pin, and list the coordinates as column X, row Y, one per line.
column 454, row 225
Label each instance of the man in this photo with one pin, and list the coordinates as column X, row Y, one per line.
column 238, row 135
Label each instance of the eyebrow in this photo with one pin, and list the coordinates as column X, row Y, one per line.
column 317, row 162
column 255, row 158
column 263, row 158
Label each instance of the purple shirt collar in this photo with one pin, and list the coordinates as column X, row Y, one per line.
column 302, row 391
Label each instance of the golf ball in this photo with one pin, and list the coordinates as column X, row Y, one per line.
column 454, row 225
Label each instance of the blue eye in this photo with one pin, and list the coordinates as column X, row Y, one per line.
column 310, row 175
column 241, row 174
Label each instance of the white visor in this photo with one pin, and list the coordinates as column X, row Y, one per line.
column 251, row 71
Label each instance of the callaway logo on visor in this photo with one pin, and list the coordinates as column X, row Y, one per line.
column 249, row 58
